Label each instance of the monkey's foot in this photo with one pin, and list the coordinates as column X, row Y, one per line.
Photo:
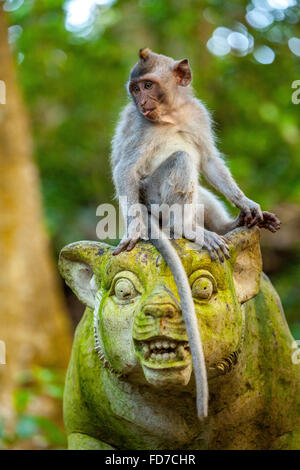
column 270, row 222
column 126, row 245
column 216, row 245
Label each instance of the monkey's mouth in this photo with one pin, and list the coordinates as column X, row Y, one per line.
column 163, row 353
column 148, row 112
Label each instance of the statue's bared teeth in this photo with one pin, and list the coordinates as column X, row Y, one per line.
column 181, row 352
column 146, row 350
column 166, row 350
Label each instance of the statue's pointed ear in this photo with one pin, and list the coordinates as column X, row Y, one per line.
column 246, row 260
column 78, row 263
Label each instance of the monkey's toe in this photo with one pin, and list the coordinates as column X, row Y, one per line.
column 123, row 245
column 132, row 243
column 216, row 246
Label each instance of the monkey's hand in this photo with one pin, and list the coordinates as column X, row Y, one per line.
column 251, row 213
column 216, row 245
column 270, row 222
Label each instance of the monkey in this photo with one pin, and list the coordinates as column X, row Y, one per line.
column 163, row 141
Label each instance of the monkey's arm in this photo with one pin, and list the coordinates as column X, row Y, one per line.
column 127, row 183
column 219, row 176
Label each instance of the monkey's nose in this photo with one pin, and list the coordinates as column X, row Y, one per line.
column 160, row 310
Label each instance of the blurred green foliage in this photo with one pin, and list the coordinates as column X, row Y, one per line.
column 31, row 428
column 73, row 76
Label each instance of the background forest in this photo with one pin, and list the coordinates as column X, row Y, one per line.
column 70, row 62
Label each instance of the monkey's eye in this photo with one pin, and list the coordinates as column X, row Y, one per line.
column 202, row 288
column 124, row 289
column 136, row 88
column 148, row 85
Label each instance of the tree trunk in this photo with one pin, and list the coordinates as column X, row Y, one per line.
column 33, row 319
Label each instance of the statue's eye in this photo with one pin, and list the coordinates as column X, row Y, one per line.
column 202, row 288
column 148, row 85
column 124, row 289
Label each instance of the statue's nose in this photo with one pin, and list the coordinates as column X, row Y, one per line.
column 157, row 310
column 160, row 315
column 161, row 303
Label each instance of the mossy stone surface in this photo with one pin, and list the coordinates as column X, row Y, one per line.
column 115, row 401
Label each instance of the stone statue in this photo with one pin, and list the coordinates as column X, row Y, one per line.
column 130, row 383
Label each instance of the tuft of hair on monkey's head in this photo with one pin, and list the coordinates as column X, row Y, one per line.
column 144, row 53
column 146, row 63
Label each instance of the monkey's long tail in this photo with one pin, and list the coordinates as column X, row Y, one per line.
column 164, row 246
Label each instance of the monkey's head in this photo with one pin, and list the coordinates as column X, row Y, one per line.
column 154, row 82
column 135, row 322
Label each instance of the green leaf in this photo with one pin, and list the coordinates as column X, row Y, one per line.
column 54, row 390
column 21, row 399
column 52, row 432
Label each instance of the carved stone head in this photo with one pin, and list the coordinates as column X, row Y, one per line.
column 139, row 330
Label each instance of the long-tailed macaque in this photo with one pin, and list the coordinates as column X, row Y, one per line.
column 163, row 141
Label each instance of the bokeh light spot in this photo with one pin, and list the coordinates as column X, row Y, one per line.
column 282, row 4
column 238, row 41
column 264, row 55
column 218, row 46
column 259, row 19
column 80, row 13
column 294, row 45
column 12, row 5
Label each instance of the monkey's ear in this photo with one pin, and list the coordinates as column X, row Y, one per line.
column 78, row 263
column 144, row 53
column 246, row 260
column 182, row 72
